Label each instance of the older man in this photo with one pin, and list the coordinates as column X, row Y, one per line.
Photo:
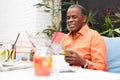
column 85, row 47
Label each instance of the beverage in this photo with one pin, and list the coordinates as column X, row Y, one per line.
column 2, row 55
column 42, row 65
column 10, row 54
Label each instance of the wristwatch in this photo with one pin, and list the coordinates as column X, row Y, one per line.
column 85, row 66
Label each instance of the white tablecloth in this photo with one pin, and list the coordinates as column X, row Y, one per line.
column 80, row 74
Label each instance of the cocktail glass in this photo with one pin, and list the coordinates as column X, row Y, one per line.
column 42, row 62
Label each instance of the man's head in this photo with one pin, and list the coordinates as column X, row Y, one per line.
column 76, row 17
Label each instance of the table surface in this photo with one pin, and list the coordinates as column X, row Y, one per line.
column 58, row 64
column 79, row 74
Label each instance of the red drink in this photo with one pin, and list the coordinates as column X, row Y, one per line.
column 42, row 65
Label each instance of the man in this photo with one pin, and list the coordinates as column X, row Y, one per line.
column 84, row 46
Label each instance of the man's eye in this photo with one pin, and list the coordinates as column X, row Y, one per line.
column 74, row 17
column 68, row 18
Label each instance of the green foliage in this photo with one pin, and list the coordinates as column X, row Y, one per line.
column 108, row 28
column 68, row 3
column 91, row 18
column 53, row 7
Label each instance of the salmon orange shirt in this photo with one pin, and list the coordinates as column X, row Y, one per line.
column 90, row 45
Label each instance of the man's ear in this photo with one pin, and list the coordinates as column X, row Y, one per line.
column 84, row 19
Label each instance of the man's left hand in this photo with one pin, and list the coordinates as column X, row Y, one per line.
column 74, row 59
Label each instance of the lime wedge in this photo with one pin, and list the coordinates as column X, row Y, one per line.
column 2, row 52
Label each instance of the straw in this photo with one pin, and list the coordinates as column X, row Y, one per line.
column 29, row 37
column 13, row 46
column 51, row 42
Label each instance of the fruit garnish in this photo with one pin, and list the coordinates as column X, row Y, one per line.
column 2, row 52
column 64, row 52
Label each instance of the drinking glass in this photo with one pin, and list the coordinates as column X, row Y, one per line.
column 2, row 53
column 10, row 52
column 42, row 61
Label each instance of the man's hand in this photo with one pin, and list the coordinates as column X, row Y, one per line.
column 74, row 59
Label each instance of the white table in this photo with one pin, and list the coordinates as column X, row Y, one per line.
column 58, row 63
column 80, row 74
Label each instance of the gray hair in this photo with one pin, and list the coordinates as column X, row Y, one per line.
column 83, row 10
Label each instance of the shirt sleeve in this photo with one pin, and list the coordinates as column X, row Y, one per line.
column 98, row 54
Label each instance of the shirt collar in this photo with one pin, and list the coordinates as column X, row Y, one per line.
column 82, row 31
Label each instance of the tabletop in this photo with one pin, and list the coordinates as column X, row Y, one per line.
column 60, row 71
column 79, row 74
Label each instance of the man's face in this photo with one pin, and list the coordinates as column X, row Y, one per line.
column 75, row 19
